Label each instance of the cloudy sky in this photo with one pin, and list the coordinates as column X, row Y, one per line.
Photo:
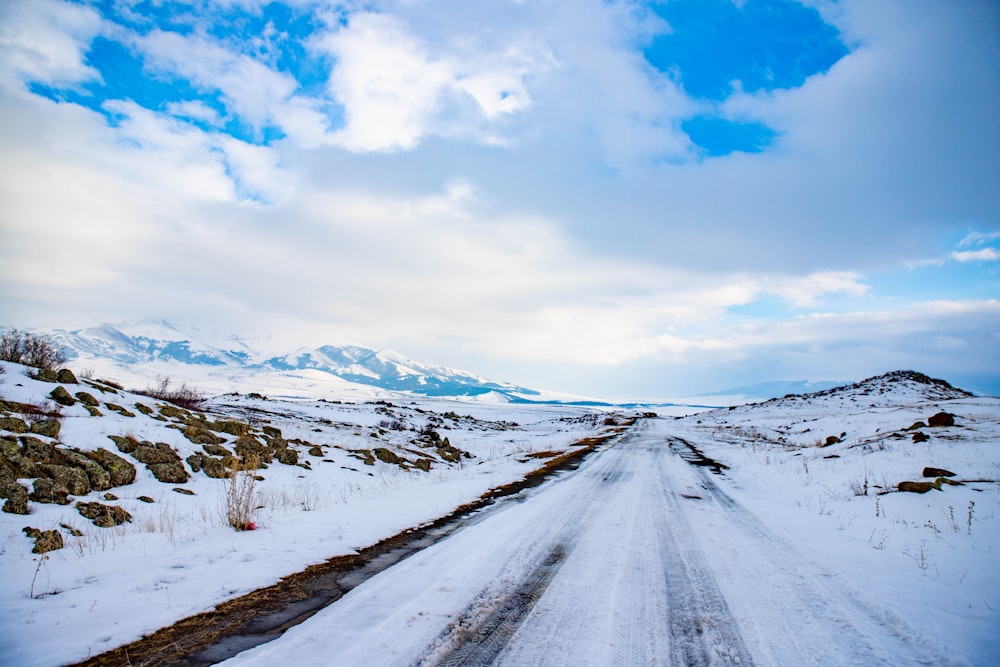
column 605, row 197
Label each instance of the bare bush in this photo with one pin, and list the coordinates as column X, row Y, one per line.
column 30, row 349
column 241, row 495
column 183, row 396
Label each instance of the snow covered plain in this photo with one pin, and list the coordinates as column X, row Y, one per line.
column 799, row 552
column 178, row 556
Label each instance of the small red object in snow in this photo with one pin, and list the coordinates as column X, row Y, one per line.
column 249, row 525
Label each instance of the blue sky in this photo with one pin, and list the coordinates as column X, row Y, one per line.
column 613, row 198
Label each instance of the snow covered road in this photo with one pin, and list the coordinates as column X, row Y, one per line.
column 635, row 558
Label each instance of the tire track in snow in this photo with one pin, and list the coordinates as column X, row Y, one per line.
column 824, row 622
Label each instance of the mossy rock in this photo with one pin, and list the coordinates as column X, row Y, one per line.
column 37, row 450
column 215, row 468
column 46, row 375
column 45, row 540
column 202, row 436
column 389, row 456
column 14, row 425
column 144, row 409
column 47, row 490
column 48, row 427
column 121, row 471
column 99, row 478
column 161, row 452
column 61, row 396
column 289, row 457
column 126, row 443
column 104, row 516
column 247, row 446
column 174, row 412
column 66, row 376
column 16, row 497
column 74, row 479
column 114, row 407
column 231, row 427
column 216, row 450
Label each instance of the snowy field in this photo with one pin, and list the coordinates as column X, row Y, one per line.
column 801, row 551
column 178, row 556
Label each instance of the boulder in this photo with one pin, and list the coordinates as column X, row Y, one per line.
column 941, row 419
column 172, row 472
column 937, row 472
column 61, row 396
column 87, row 399
column 45, row 540
column 14, row 425
column 66, row 376
column 916, row 487
column 103, row 516
column 74, row 479
column 47, row 490
column 100, row 479
column 216, row 450
column 121, row 471
column 47, row 427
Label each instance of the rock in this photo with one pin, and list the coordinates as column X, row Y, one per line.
column 14, row 425
column 47, row 427
column 45, row 540
column 289, row 457
column 74, row 479
column 47, row 375
column 100, row 479
column 46, row 490
column 121, row 471
column 17, row 498
column 37, row 450
column 916, row 487
column 66, row 376
column 201, row 436
column 149, row 453
column 216, row 450
column 126, row 444
column 937, row 472
column 195, row 461
column 104, row 516
column 169, row 473
column 87, row 399
column 61, row 396
column 920, row 437
column 146, row 499
column 231, row 427
column 215, row 468
column 182, row 491
column 942, row 419
column 114, row 407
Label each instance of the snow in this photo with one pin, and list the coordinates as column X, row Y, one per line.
column 794, row 555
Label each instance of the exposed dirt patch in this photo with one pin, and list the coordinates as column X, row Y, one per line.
column 266, row 613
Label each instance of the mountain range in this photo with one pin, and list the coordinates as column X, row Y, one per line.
column 159, row 346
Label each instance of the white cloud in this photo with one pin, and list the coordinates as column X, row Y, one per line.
column 46, row 41
column 982, row 255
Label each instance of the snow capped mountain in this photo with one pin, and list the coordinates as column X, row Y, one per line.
column 165, row 349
